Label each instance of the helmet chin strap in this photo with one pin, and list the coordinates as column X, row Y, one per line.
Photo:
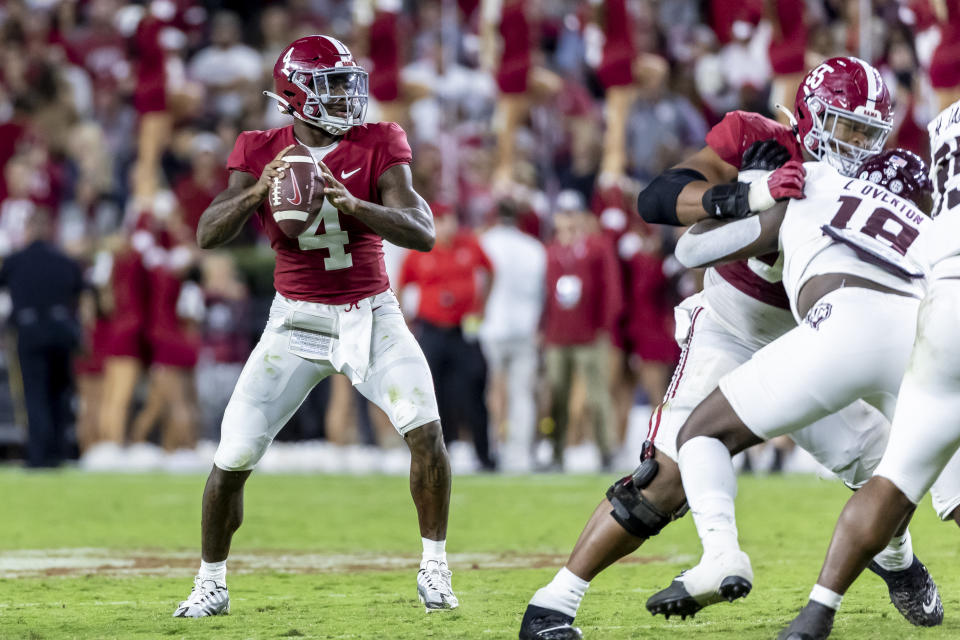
column 793, row 121
column 282, row 104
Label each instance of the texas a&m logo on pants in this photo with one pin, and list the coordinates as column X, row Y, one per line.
column 818, row 314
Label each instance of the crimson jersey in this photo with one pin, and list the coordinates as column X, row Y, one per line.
column 730, row 138
column 338, row 260
column 733, row 135
column 616, row 65
column 512, row 74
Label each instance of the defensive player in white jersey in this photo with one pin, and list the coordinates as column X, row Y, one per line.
column 742, row 308
column 926, row 428
column 854, row 268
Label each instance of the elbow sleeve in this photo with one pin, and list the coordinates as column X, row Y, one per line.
column 657, row 203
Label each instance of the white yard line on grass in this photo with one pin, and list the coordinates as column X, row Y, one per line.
column 164, row 563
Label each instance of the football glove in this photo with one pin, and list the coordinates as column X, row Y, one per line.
column 741, row 199
column 765, row 155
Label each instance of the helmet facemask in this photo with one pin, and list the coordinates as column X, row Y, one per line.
column 336, row 99
column 844, row 139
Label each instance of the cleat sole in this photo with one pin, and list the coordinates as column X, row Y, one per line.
column 682, row 604
column 734, row 587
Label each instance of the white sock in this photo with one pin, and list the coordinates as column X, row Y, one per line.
column 826, row 597
column 563, row 594
column 216, row 571
column 711, row 486
column 434, row 550
column 898, row 555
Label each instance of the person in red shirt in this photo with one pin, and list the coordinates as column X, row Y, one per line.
column 584, row 300
column 196, row 190
column 508, row 43
column 944, row 71
column 334, row 311
column 447, row 324
column 172, row 331
column 624, row 73
column 124, row 341
column 786, row 51
column 150, row 101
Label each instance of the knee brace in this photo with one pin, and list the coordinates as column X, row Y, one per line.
column 632, row 511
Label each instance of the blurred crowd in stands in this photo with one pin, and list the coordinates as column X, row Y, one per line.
column 545, row 309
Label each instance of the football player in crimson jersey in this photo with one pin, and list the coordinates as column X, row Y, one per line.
column 843, row 113
column 334, row 311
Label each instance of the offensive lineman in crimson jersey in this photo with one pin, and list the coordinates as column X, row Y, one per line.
column 742, row 308
column 334, row 311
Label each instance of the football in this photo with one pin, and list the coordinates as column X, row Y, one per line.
column 296, row 198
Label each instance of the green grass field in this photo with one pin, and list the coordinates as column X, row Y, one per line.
column 109, row 556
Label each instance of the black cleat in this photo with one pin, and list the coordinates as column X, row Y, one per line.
column 814, row 622
column 675, row 600
column 540, row 623
column 913, row 592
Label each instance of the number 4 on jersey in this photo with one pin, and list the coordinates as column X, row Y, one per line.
column 333, row 238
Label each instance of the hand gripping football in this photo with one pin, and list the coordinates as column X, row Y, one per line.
column 296, row 198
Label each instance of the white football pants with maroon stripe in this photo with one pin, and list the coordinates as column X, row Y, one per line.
column 849, row 442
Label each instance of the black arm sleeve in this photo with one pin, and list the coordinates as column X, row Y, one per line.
column 657, row 203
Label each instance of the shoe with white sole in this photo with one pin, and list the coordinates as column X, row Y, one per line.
column 434, row 587
column 207, row 599
column 727, row 576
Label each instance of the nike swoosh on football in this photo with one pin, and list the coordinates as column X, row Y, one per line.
column 295, row 200
column 933, row 604
column 346, row 174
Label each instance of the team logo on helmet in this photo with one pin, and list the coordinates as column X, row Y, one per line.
column 901, row 172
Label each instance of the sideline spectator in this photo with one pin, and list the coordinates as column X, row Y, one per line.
column 125, row 285
column 175, row 313
column 651, row 351
column 229, row 69
column 45, row 287
column 447, row 323
column 584, row 298
column 226, row 343
column 509, row 334
column 788, row 44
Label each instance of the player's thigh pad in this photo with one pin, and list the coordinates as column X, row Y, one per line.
column 926, row 428
column 399, row 380
column 273, row 384
column 708, row 352
column 854, row 343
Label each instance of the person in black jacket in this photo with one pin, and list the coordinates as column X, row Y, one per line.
column 44, row 286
